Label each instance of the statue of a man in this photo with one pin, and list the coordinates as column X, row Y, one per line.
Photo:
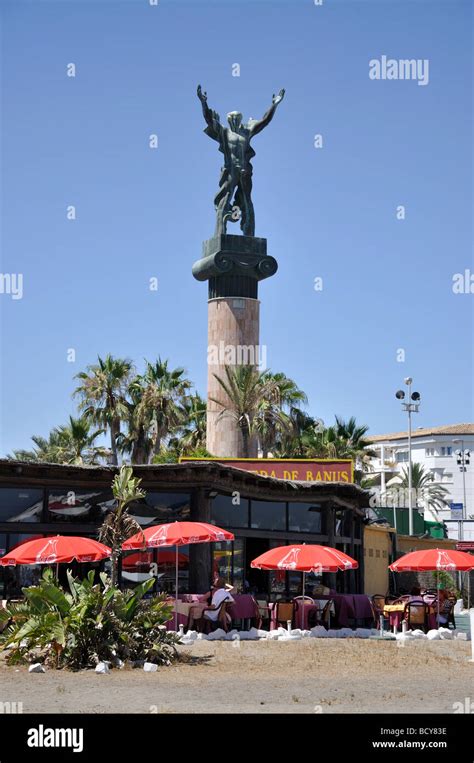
column 236, row 174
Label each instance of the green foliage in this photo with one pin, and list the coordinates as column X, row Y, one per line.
column 89, row 624
column 118, row 525
column 445, row 580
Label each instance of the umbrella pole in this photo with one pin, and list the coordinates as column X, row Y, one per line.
column 302, row 607
column 437, row 598
column 176, row 595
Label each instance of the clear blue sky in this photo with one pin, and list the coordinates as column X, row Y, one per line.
column 328, row 212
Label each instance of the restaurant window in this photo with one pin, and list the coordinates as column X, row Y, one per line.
column 342, row 522
column 68, row 504
column 305, row 517
column 21, row 504
column 160, row 508
column 13, row 579
column 277, row 579
column 226, row 513
column 267, row 515
column 222, row 560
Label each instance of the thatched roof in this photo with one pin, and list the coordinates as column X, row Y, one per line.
column 210, row 475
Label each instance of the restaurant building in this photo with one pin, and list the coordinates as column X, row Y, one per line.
column 262, row 511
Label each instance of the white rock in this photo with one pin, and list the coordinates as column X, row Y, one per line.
column 445, row 633
column 319, row 631
column 418, row 633
column 102, row 667
column 461, row 636
column 433, row 635
column 150, row 667
column 37, row 667
column 216, row 635
column 362, row 632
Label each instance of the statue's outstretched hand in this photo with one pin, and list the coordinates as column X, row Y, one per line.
column 202, row 96
column 276, row 99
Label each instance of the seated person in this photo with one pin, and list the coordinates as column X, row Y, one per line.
column 415, row 594
column 220, row 593
column 444, row 607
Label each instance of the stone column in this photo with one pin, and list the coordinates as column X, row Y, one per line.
column 233, row 266
column 233, row 339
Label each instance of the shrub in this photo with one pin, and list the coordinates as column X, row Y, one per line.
column 89, row 624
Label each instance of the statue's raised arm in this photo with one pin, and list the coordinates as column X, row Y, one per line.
column 258, row 125
column 214, row 127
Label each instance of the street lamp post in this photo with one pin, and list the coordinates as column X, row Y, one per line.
column 463, row 459
column 410, row 407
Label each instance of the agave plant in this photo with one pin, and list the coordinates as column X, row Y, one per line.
column 90, row 623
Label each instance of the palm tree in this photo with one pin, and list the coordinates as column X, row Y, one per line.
column 162, row 400
column 302, row 428
column 102, row 391
column 191, row 435
column 432, row 495
column 72, row 443
column 246, row 390
column 76, row 443
column 46, row 450
column 137, row 440
column 274, row 418
column 118, row 525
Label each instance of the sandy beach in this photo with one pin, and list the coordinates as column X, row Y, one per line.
column 310, row 676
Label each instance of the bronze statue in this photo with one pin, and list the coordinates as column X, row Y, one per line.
column 236, row 174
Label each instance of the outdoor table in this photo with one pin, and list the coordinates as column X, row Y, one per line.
column 183, row 609
column 318, row 606
column 394, row 613
column 244, row 607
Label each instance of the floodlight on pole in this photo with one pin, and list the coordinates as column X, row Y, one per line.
column 409, row 407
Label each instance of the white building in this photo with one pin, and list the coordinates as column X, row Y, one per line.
column 435, row 449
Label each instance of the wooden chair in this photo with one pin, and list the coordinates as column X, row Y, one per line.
column 284, row 611
column 320, row 616
column 416, row 615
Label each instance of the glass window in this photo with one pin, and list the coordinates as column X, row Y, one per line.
column 343, row 521
column 222, row 561
column 160, row 508
column 21, row 504
column 226, row 513
column 67, row 504
column 267, row 515
column 402, row 457
column 305, row 517
column 13, row 579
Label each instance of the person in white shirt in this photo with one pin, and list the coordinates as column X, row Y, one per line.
column 221, row 591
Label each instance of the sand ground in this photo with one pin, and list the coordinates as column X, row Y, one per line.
column 314, row 675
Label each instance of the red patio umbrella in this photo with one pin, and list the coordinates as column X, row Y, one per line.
column 56, row 550
column 432, row 559
column 305, row 558
column 142, row 558
column 177, row 534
